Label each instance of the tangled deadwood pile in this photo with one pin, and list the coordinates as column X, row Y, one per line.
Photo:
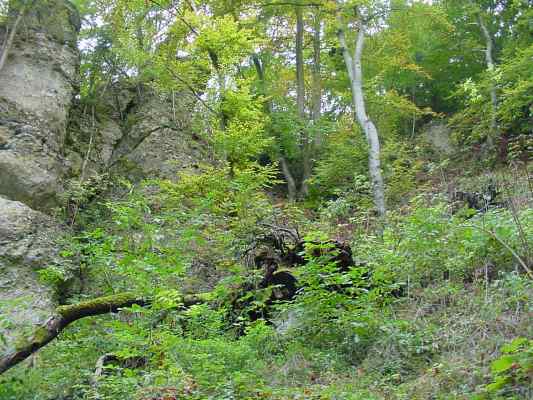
column 273, row 258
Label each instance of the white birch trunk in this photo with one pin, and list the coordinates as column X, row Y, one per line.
column 490, row 66
column 355, row 73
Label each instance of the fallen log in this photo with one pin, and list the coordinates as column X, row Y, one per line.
column 67, row 314
column 283, row 283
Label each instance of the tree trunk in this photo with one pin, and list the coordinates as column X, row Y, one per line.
column 310, row 143
column 221, row 87
column 11, row 36
column 490, row 66
column 300, row 83
column 300, row 101
column 316, row 89
column 65, row 315
column 355, row 73
column 260, row 70
column 291, row 183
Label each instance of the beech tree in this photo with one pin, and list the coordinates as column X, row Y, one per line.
column 353, row 61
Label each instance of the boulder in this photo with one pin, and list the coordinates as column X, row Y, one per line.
column 438, row 135
column 27, row 245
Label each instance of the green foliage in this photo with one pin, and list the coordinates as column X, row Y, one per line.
column 401, row 168
column 435, row 292
column 342, row 166
column 429, row 243
column 79, row 192
column 286, row 127
column 512, row 82
column 225, row 38
column 512, row 372
column 229, row 203
column 401, row 349
column 147, row 246
column 341, row 173
column 53, row 276
column 243, row 138
column 334, row 308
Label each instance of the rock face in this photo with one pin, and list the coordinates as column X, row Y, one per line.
column 26, row 246
column 46, row 137
column 30, row 167
column 41, row 70
column 37, row 85
column 159, row 142
column 139, row 133
column 438, row 135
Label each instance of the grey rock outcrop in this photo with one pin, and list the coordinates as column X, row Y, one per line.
column 139, row 133
column 159, row 142
column 438, row 135
column 47, row 137
column 27, row 245
column 37, row 85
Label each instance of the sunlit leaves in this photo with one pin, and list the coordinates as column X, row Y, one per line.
column 223, row 37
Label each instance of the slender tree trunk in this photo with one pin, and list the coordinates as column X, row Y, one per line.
column 221, row 86
column 316, row 89
column 262, row 83
column 8, row 42
column 300, row 101
column 355, row 73
column 300, row 83
column 490, row 66
column 316, row 108
column 291, row 183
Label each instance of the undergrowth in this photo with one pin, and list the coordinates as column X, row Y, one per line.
column 439, row 307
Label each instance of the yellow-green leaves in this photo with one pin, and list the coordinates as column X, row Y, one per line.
column 223, row 37
column 243, row 138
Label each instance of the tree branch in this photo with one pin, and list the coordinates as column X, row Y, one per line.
column 65, row 315
column 291, row 3
column 193, row 91
column 527, row 270
column 11, row 36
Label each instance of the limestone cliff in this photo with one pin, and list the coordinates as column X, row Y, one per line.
column 27, row 246
column 47, row 137
column 136, row 132
column 37, row 85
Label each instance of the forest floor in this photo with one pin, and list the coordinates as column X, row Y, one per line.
column 465, row 336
